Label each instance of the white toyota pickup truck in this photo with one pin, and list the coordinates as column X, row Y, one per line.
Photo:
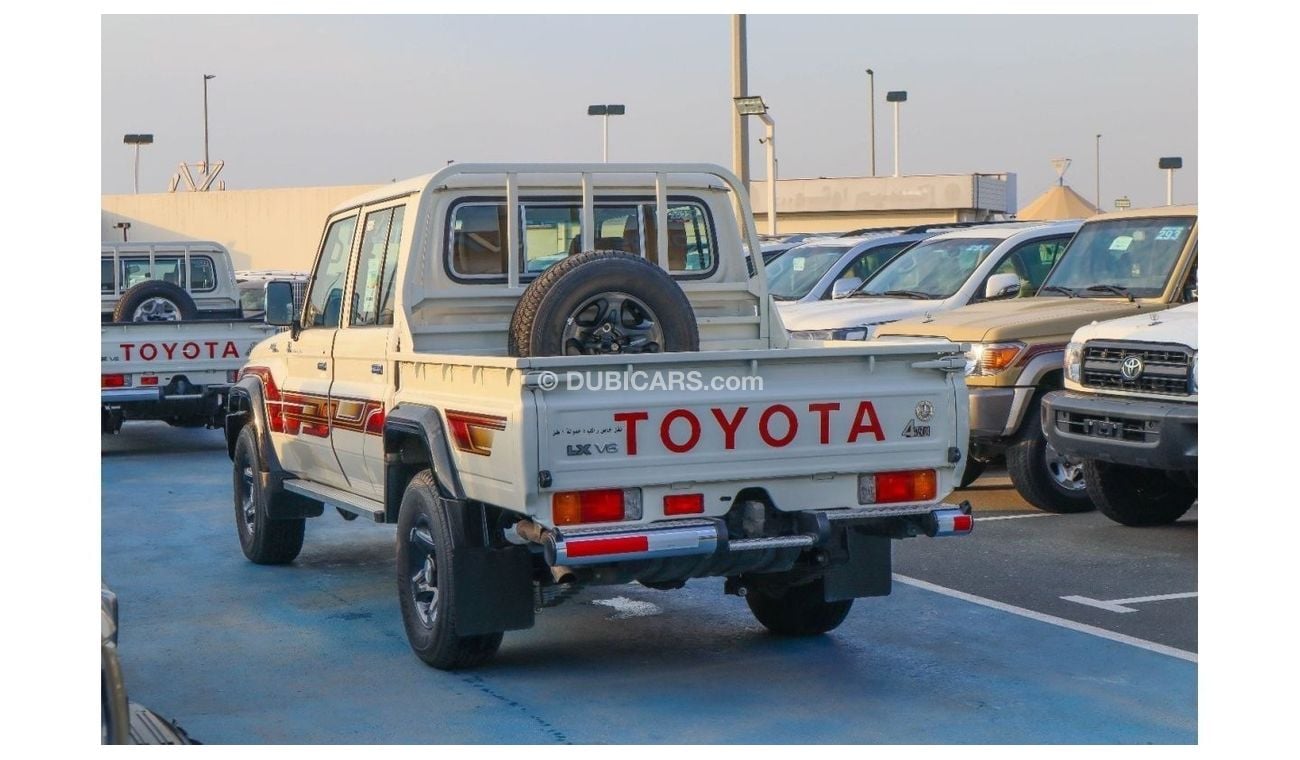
column 1129, row 412
column 552, row 376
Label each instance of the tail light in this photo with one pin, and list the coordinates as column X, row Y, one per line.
column 113, row 381
column 684, row 504
column 149, row 380
column 603, row 505
column 895, row 487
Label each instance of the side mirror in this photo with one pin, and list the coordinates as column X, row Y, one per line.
column 844, row 286
column 1002, row 286
column 279, row 303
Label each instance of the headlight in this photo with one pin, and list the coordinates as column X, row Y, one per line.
column 1074, row 361
column 991, row 358
column 1194, row 386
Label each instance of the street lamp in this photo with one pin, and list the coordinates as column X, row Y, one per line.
column 1098, row 173
column 871, row 95
column 896, row 97
column 206, row 77
column 606, row 111
column 137, row 141
column 1169, row 163
column 753, row 105
column 123, row 226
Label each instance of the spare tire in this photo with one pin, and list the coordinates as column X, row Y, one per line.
column 602, row 302
column 154, row 301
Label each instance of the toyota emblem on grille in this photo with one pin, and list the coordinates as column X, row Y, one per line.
column 1131, row 368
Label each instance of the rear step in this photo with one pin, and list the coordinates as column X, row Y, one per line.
column 358, row 505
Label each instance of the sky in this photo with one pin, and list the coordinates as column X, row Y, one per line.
column 337, row 100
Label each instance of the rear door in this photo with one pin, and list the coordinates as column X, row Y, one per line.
column 362, row 372
column 306, row 448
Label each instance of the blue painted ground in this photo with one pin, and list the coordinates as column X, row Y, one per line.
column 315, row 653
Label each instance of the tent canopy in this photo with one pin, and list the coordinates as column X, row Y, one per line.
column 1059, row 202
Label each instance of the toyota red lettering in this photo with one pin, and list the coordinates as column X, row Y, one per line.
column 681, row 431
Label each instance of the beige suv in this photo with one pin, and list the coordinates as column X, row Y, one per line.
column 1119, row 264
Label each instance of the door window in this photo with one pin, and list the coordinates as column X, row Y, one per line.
column 372, row 289
column 325, row 296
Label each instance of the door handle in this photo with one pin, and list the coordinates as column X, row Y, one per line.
column 321, row 366
column 376, row 369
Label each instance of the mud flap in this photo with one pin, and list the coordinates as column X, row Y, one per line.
column 867, row 571
column 494, row 589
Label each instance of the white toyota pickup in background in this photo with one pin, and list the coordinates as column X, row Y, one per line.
column 1129, row 411
column 537, row 413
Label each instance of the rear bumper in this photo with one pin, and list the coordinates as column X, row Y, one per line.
column 1138, row 432
column 158, row 394
column 709, row 536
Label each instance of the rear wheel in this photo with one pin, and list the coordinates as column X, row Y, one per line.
column 426, row 541
column 1137, row 496
column 263, row 540
column 797, row 610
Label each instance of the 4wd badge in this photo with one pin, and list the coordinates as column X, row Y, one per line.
column 914, row 430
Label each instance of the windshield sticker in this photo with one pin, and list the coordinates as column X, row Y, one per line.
column 798, row 264
column 1121, row 243
column 1169, row 233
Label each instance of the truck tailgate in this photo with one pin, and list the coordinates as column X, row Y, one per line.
column 196, row 348
column 748, row 416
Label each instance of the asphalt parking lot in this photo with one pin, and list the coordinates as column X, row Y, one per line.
column 1035, row 629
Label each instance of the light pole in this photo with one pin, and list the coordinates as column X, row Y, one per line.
column 137, row 141
column 871, row 95
column 739, row 89
column 206, row 77
column 896, row 97
column 753, row 105
column 123, row 226
column 606, row 111
column 1098, row 173
column 1169, row 163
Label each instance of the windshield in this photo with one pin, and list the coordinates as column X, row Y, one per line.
column 935, row 268
column 795, row 272
column 1131, row 255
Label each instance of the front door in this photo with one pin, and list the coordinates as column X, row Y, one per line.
column 360, row 394
column 306, row 446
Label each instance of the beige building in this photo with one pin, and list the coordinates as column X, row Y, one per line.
column 280, row 228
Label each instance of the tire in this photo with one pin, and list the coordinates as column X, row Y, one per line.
column 798, row 610
column 602, row 302
column 263, row 540
column 426, row 539
column 974, row 469
column 1136, row 496
column 155, row 301
column 1037, row 473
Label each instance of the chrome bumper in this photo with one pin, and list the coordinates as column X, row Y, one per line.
column 700, row 536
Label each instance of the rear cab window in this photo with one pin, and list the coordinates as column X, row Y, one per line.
column 551, row 230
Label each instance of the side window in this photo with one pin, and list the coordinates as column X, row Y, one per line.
column 203, row 274
column 378, row 244
column 135, row 270
column 106, row 274
column 1030, row 262
column 325, row 294
column 870, row 261
column 690, row 239
column 386, row 297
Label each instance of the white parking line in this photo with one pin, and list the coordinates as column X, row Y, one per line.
column 1091, row 630
column 1118, row 605
column 1017, row 517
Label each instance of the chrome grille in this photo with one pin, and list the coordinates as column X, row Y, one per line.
column 1166, row 367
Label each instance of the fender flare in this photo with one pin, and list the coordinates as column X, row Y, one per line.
column 246, row 405
column 424, row 423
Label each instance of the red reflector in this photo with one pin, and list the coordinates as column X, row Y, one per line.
column 112, row 381
column 232, row 375
column 962, row 523
column 149, row 380
column 596, row 546
column 684, row 504
column 605, row 505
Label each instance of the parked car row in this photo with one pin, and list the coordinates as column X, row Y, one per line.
column 1016, row 293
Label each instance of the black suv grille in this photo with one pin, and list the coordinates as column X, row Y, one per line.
column 1165, row 367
